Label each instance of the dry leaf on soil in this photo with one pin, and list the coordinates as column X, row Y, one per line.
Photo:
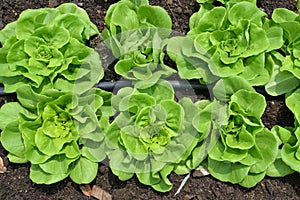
column 2, row 167
column 100, row 194
column 86, row 190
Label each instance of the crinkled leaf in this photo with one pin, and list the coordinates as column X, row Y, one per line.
column 248, row 103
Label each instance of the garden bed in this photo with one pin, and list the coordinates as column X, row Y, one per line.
column 15, row 183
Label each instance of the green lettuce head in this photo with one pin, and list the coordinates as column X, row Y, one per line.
column 135, row 33
column 45, row 48
column 287, row 74
column 225, row 41
column 289, row 140
column 152, row 135
column 288, row 159
column 245, row 148
column 224, row 1
column 59, row 133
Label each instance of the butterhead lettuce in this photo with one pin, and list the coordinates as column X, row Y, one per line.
column 225, row 41
column 152, row 135
column 245, row 148
column 135, row 33
column 59, row 133
column 45, row 48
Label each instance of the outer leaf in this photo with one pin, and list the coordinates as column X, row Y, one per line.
column 293, row 103
column 7, row 32
column 9, row 113
column 268, row 152
column 281, row 82
column 283, row 15
column 245, row 10
column 249, row 103
column 226, row 87
column 90, row 29
column 11, row 140
column 227, row 172
column 252, row 179
column 288, row 156
column 279, row 169
column 40, row 177
column 84, row 171
column 58, row 164
column 155, row 15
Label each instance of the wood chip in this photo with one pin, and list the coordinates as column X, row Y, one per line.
column 200, row 171
column 2, row 167
column 86, row 190
column 100, row 194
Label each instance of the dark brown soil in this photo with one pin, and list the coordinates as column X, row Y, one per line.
column 15, row 184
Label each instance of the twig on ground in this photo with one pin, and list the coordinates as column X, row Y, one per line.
column 182, row 184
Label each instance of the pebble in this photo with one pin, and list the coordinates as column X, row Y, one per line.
column 188, row 197
column 178, row 10
column 199, row 197
column 187, row 189
column 188, row 12
column 229, row 190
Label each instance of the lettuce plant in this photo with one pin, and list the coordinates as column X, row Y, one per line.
column 286, row 76
column 59, row 133
column 224, row 1
column 286, row 137
column 246, row 148
column 226, row 41
column 288, row 160
column 45, row 48
column 152, row 135
column 135, row 33
column 289, row 138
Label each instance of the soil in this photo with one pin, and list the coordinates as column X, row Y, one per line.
column 15, row 183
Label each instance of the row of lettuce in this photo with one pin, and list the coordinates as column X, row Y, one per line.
column 65, row 127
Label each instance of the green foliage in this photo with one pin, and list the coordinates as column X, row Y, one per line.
column 227, row 41
column 279, row 168
column 288, row 160
column 59, row 133
column 224, row 1
column 64, row 127
column 152, row 135
column 287, row 75
column 45, row 48
column 246, row 148
column 136, row 33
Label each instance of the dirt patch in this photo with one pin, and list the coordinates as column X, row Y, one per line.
column 16, row 184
